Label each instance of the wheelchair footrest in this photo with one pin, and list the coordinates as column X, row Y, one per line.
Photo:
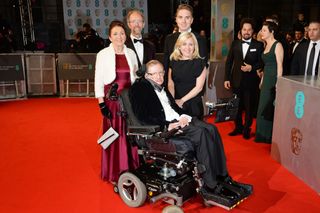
column 220, row 201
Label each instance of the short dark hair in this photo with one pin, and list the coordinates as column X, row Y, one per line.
column 247, row 21
column 116, row 23
column 272, row 27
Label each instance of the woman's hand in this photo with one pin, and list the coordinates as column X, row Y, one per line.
column 179, row 102
column 104, row 110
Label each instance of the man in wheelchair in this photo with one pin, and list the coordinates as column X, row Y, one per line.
column 180, row 175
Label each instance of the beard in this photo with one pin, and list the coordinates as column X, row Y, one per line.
column 246, row 36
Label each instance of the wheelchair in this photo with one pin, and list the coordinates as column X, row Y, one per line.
column 168, row 169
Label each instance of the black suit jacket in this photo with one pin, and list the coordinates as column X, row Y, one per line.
column 146, row 104
column 149, row 50
column 235, row 60
column 298, row 63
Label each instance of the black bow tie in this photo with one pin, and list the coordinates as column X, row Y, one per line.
column 137, row 40
column 245, row 42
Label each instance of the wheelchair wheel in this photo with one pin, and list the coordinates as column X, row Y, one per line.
column 132, row 191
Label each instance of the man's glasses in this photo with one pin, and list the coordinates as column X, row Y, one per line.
column 136, row 21
column 156, row 74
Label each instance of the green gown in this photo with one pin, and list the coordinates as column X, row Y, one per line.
column 267, row 97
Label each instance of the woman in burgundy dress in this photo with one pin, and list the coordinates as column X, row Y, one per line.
column 115, row 64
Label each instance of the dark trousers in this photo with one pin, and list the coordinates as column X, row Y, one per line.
column 248, row 104
column 209, row 149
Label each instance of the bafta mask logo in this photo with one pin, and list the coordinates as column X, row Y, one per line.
column 97, row 12
column 141, row 3
column 124, row 3
column 296, row 141
column 115, row 12
column 106, row 22
column 79, row 12
column 105, row 3
column 70, row 22
column 87, row 3
column 69, row 3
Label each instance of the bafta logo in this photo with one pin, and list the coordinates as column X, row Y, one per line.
column 296, row 141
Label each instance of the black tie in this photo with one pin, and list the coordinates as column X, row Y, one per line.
column 311, row 59
column 245, row 42
column 137, row 40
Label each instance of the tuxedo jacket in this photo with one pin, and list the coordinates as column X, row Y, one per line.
column 146, row 104
column 298, row 63
column 170, row 41
column 149, row 50
column 235, row 60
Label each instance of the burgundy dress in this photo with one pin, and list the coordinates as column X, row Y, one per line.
column 119, row 156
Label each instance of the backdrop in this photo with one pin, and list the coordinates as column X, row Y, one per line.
column 98, row 13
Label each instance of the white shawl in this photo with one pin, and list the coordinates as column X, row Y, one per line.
column 105, row 72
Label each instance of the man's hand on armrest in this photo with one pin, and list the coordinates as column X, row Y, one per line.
column 184, row 120
column 173, row 126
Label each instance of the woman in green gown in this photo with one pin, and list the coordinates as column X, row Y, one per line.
column 272, row 58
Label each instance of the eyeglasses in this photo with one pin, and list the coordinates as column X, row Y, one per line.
column 156, row 74
column 136, row 21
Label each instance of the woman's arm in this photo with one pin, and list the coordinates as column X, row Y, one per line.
column 196, row 90
column 279, row 58
column 170, row 82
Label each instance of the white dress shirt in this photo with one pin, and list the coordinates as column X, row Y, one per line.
column 316, row 56
column 245, row 48
column 169, row 112
column 139, row 48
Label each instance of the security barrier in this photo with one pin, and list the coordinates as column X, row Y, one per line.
column 76, row 74
column 12, row 77
column 41, row 73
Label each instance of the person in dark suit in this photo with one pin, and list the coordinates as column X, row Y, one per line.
column 305, row 60
column 184, row 19
column 241, row 75
column 144, row 49
column 298, row 38
column 154, row 105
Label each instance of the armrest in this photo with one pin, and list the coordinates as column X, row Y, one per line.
column 143, row 130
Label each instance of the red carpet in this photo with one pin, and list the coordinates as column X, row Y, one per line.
column 50, row 162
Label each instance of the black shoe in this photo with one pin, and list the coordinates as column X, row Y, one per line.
column 246, row 133
column 235, row 132
column 221, row 191
column 247, row 189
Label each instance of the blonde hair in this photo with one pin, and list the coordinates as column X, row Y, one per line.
column 176, row 54
column 185, row 7
column 134, row 10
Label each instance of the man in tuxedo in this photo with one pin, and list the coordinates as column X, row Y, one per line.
column 305, row 60
column 154, row 105
column 241, row 75
column 298, row 38
column 144, row 49
column 184, row 19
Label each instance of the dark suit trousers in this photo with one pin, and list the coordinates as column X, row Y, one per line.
column 248, row 104
column 209, row 149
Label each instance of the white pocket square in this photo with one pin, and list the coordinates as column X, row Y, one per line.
column 253, row 50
